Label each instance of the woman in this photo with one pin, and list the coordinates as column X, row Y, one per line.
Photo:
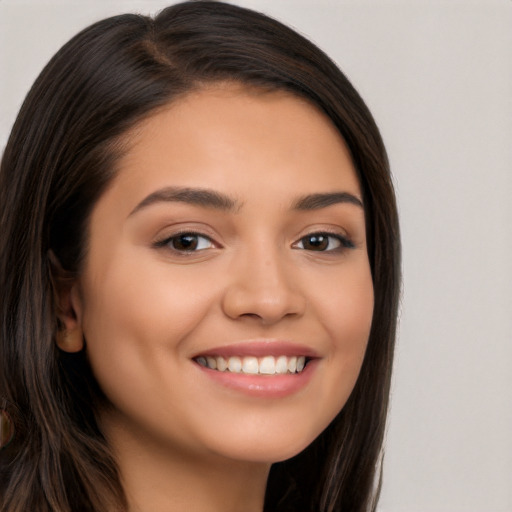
column 199, row 274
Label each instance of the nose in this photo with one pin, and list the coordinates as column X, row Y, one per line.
column 263, row 287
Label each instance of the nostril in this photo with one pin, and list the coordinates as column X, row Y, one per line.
column 252, row 315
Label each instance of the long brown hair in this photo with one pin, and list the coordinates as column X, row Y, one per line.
column 61, row 155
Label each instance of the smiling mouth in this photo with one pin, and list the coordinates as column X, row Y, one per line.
column 250, row 365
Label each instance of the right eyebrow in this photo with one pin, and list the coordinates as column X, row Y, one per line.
column 197, row 196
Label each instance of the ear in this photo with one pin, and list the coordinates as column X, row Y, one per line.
column 68, row 306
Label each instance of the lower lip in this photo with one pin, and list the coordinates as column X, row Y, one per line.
column 263, row 386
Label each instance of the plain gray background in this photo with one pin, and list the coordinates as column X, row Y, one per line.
column 438, row 77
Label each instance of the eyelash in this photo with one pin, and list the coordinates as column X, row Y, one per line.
column 342, row 242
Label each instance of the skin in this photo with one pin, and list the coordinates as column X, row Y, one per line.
column 146, row 309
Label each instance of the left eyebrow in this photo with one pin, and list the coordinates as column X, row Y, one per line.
column 319, row 201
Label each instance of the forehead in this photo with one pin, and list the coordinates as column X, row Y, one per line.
column 229, row 120
column 238, row 140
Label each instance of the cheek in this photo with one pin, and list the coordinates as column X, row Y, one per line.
column 143, row 301
column 346, row 314
column 135, row 316
column 353, row 301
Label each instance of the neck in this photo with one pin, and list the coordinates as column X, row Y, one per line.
column 159, row 478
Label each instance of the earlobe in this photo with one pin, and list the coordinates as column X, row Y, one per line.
column 69, row 336
column 70, row 340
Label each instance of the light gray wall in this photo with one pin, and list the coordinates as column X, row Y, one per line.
column 438, row 77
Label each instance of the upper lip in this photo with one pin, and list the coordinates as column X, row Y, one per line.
column 260, row 348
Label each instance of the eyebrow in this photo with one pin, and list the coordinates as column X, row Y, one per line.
column 319, row 201
column 205, row 198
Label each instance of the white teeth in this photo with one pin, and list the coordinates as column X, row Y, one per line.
column 235, row 364
column 222, row 364
column 268, row 365
column 282, row 364
column 250, row 365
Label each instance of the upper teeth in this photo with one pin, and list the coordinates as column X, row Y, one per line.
column 268, row 365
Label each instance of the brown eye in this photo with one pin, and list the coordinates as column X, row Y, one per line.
column 187, row 242
column 315, row 242
column 323, row 242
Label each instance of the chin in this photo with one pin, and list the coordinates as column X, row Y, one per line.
column 266, row 445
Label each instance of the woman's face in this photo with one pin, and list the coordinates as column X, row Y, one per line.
column 232, row 236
